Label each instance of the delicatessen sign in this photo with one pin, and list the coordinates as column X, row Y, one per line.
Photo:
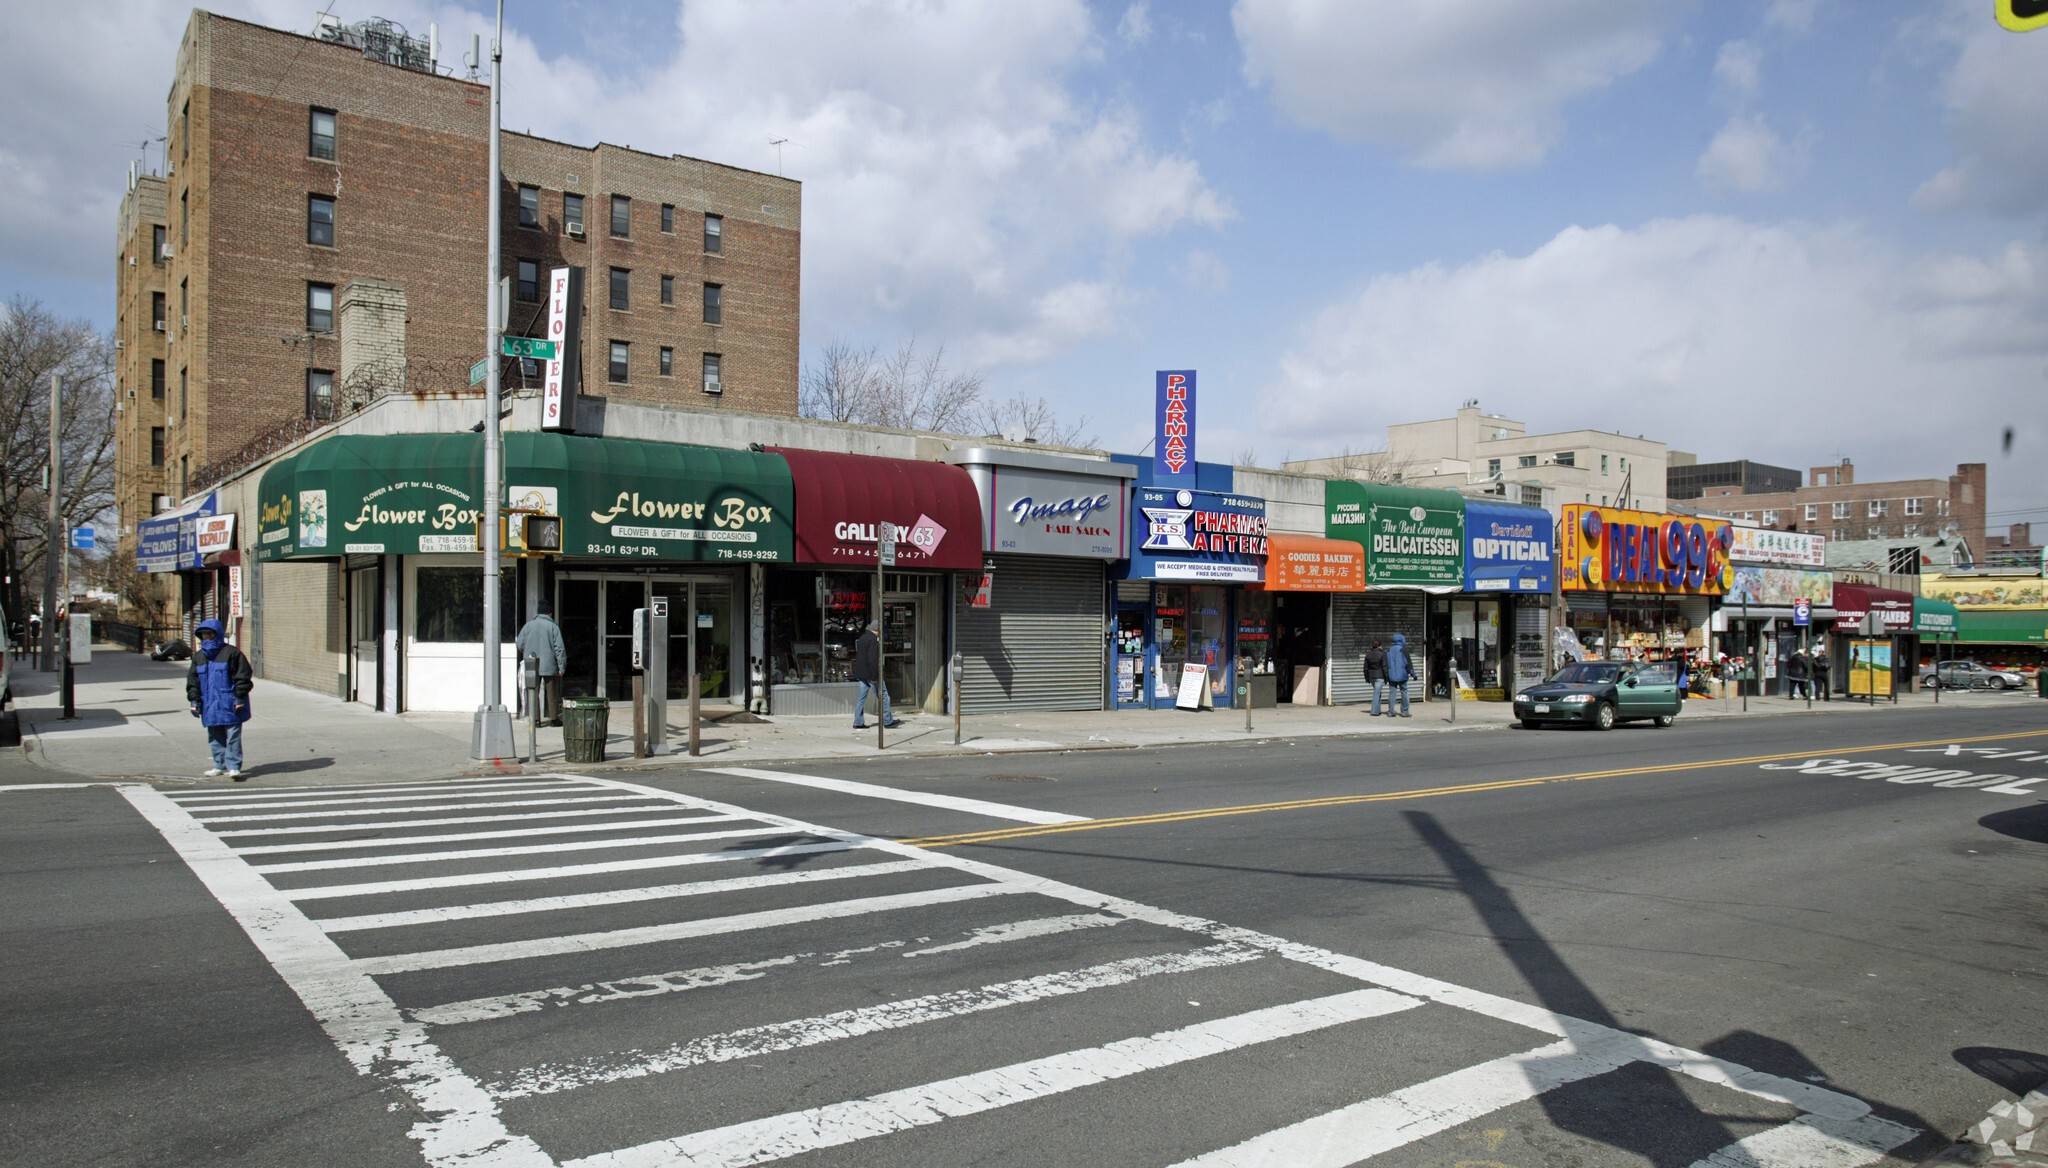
column 1412, row 538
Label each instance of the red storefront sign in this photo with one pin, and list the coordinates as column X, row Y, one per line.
column 841, row 499
column 1895, row 608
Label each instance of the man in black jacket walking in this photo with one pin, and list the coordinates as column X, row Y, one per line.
column 867, row 670
column 1376, row 675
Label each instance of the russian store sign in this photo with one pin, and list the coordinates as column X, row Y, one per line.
column 1413, row 538
column 1606, row 549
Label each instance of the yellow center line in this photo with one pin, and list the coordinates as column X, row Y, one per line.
column 1009, row 833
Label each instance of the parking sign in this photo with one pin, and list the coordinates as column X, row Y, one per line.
column 1802, row 613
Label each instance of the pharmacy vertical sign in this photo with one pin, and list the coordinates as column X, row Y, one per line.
column 562, row 376
column 1173, row 446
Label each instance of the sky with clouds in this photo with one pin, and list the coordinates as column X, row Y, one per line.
column 1786, row 230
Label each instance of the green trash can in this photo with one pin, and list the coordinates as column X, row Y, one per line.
column 584, row 722
column 2041, row 681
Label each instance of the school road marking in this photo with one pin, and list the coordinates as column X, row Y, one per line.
column 1010, row 833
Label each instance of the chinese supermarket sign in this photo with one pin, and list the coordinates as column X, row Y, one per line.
column 1792, row 549
column 1606, row 549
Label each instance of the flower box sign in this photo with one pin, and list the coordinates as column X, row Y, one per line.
column 1197, row 535
column 1413, row 538
column 1793, row 549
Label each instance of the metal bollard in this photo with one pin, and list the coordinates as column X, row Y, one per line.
column 696, row 701
column 958, row 667
column 1244, row 690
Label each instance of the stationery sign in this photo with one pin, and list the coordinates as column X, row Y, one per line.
column 1173, row 445
column 563, row 375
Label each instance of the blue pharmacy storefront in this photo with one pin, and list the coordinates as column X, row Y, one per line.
column 1179, row 599
column 1495, row 634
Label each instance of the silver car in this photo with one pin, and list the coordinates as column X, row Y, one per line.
column 1970, row 675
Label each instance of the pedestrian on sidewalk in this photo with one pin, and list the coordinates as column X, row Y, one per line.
column 218, row 686
column 1797, row 670
column 867, row 670
column 1823, row 675
column 1376, row 675
column 541, row 639
column 1399, row 672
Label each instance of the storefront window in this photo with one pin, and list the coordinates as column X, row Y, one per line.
column 1209, row 637
column 1170, row 636
column 1646, row 626
column 1255, row 631
column 814, row 618
column 449, row 606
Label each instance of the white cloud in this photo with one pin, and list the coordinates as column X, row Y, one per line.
column 1747, row 156
column 1792, row 15
column 1136, row 26
column 955, row 185
column 1739, row 66
column 1716, row 335
column 1995, row 94
column 1458, row 84
column 1205, row 273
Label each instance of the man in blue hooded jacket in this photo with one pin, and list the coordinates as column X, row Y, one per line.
column 218, row 686
column 1399, row 673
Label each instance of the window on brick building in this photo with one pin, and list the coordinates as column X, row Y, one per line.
column 320, row 394
column 185, row 131
column 1916, row 506
column 668, row 218
column 714, row 381
column 184, row 475
column 156, row 446
column 156, row 311
column 1941, row 506
column 1812, row 512
column 668, row 289
column 621, row 285
column 572, row 214
column 159, row 235
column 1880, row 507
column 1911, row 530
column 156, row 379
column 714, row 303
column 529, row 206
column 319, row 308
column 184, row 218
column 1839, row 533
column 320, row 220
column 320, row 133
column 1840, row 511
column 184, row 304
column 527, row 286
column 714, row 233
column 1770, row 519
column 184, row 397
column 621, row 351
column 668, row 361
column 622, row 216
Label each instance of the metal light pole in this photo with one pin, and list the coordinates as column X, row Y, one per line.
column 491, row 733
column 53, row 541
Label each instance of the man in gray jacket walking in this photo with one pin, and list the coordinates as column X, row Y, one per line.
column 541, row 639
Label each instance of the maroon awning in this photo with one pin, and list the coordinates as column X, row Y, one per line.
column 840, row 498
column 1853, row 600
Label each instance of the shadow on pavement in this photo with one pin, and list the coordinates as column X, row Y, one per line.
column 2017, row 1071
column 2027, row 823
column 287, row 768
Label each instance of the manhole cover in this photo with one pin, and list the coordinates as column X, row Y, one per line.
column 1021, row 779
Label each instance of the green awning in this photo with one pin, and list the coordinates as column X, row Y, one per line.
column 412, row 494
column 2006, row 627
column 1935, row 618
column 1413, row 537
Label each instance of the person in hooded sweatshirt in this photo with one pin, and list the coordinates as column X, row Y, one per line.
column 1399, row 673
column 218, row 686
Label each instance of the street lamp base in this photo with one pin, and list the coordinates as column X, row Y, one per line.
column 490, row 735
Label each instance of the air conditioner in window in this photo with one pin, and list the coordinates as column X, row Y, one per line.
column 713, row 385
column 575, row 229
column 164, row 253
column 159, row 325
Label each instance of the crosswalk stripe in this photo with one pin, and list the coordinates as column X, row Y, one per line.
column 1813, row 1142
column 365, row 800
column 597, row 993
column 396, row 825
column 458, row 836
column 506, row 908
column 199, row 801
column 516, row 875
column 793, row 1133
column 641, row 841
column 753, row 1041
column 1021, row 930
column 678, row 931
column 411, row 810
column 924, row 798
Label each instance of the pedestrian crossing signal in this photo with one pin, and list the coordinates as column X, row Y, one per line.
column 525, row 533
column 2022, row 15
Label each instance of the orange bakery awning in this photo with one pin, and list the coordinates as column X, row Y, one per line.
column 1310, row 563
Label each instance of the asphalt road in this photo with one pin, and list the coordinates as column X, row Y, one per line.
column 1821, row 939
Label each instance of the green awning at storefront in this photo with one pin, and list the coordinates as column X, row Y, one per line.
column 1413, row 538
column 1935, row 618
column 2006, row 627
column 413, row 494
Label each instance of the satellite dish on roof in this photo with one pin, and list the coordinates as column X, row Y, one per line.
column 1015, row 432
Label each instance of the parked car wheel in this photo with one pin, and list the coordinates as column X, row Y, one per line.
column 1664, row 721
column 1603, row 716
column 1531, row 724
column 1999, row 683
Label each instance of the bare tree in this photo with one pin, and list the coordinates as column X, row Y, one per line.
column 34, row 343
column 908, row 389
column 1036, row 419
column 1249, row 456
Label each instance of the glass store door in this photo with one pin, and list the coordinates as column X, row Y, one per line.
column 1169, row 641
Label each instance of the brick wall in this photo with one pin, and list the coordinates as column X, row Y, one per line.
column 138, row 275
column 1958, row 500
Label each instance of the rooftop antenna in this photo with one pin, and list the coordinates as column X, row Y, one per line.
column 777, row 143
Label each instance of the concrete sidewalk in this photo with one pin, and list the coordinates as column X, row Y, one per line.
column 133, row 721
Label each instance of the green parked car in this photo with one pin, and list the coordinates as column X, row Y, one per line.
column 1601, row 694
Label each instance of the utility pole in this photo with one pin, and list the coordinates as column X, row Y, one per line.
column 53, row 540
column 491, row 735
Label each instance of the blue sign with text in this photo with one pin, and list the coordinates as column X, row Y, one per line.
column 1508, row 547
column 1173, row 441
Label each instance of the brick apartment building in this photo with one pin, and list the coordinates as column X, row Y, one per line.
column 1835, row 505
column 318, row 239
